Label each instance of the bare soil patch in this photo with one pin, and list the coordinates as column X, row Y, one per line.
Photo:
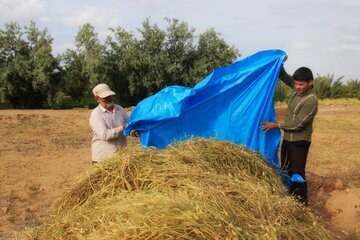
column 42, row 151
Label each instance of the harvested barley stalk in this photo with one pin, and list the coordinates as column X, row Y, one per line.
column 197, row 189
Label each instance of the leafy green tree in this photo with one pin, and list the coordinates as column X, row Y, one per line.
column 323, row 87
column 179, row 53
column 84, row 66
column 121, row 66
column 76, row 82
column 282, row 92
column 28, row 73
column 91, row 53
column 14, row 55
column 337, row 89
column 212, row 52
column 46, row 73
column 161, row 58
column 353, row 89
column 150, row 62
column 326, row 87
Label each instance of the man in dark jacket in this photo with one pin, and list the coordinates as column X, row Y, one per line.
column 297, row 127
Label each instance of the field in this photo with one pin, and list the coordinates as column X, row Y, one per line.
column 42, row 151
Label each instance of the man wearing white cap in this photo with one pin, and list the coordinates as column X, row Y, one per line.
column 107, row 121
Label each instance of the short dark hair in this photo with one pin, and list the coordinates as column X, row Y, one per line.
column 303, row 74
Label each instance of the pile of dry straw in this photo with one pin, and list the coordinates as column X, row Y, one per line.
column 199, row 189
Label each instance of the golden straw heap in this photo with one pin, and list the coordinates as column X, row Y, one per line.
column 197, row 189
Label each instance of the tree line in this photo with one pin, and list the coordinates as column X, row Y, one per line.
column 135, row 65
column 326, row 87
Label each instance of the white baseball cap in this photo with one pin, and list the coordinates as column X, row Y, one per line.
column 102, row 90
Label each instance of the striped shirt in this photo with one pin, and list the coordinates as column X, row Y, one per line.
column 300, row 114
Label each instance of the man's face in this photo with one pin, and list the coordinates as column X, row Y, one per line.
column 302, row 86
column 106, row 102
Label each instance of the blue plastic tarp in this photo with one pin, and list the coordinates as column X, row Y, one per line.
column 229, row 104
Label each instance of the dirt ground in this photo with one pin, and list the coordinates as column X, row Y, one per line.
column 42, row 151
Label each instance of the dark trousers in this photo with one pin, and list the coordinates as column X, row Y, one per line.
column 293, row 161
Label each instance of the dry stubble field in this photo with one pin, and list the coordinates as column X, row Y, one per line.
column 42, row 151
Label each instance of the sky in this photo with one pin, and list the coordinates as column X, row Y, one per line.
column 323, row 35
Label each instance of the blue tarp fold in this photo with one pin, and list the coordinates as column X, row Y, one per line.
column 229, row 104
